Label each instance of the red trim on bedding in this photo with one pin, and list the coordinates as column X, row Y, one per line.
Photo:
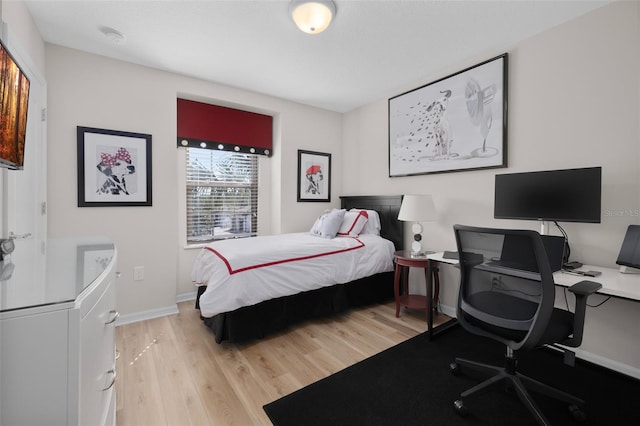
column 277, row 262
column 355, row 222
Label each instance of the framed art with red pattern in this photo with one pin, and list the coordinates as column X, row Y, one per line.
column 114, row 168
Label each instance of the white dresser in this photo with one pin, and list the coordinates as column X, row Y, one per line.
column 57, row 337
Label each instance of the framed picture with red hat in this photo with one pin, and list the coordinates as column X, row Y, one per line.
column 314, row 176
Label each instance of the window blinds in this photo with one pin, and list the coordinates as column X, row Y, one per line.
column 222, row 195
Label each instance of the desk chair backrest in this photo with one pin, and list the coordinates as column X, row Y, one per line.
column 507, row 290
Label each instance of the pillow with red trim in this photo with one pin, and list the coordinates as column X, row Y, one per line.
column 353, row 223
column 328, row 224
column 373, row 224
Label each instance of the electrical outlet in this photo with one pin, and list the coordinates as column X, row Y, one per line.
column 138, row 273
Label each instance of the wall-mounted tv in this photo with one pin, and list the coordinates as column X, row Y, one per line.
column 571, row 195
column 14, row 104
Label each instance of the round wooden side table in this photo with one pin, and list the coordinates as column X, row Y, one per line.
column 404, row 261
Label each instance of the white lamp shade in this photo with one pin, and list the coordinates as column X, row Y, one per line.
column 312, row 16
column 417, row 208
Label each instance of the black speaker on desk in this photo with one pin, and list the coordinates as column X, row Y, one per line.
column 629, row 256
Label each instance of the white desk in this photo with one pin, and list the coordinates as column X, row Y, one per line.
column 439, row 257
column 614, row 284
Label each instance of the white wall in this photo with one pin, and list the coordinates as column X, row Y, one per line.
column 94, row 91
column 573, row 102
column 21, row 25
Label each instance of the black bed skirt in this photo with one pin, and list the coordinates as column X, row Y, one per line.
column 257, row 321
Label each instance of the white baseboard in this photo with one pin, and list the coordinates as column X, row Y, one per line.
column 141, row 316
column 156, row 313
column 447, row 310
column 582, row 354
column 607, row 363
column 185, row 297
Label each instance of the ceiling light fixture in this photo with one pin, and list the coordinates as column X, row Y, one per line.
column 312, row 16
column 114, row 36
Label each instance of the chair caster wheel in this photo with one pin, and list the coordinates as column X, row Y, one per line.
column 454, row 367
column 460, row 408
column 577, row 413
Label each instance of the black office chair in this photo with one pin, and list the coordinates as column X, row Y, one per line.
column 508, row 295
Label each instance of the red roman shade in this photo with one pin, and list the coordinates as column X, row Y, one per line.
column 209, row 126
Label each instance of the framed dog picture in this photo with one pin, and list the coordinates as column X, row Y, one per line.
column 114, row 168
column 456, row 123
column 314, row 176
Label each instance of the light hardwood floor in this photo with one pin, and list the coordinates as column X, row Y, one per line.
column 171, row 371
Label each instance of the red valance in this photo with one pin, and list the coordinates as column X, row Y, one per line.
column 209, row 126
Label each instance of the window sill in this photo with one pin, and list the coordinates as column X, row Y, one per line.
column 192, row 246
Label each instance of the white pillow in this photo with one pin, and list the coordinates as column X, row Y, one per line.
column 328, row 224
column 373, row 224
column 353, row 223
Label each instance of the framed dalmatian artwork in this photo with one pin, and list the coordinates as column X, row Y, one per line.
column 114, row 168
column 314, row 176
column 456, row 123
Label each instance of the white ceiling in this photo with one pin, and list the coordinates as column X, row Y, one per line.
column 372, row 50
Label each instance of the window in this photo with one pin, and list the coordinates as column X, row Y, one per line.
column 222, row 195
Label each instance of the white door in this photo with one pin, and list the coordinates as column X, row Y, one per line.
column 24, row 192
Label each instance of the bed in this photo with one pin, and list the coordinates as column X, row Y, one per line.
column 232, row 320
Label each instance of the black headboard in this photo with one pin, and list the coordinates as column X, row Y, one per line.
column 388, row 207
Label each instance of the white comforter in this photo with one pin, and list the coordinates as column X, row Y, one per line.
column 244, row 272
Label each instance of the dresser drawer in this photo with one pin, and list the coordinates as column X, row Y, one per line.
column 97, row 357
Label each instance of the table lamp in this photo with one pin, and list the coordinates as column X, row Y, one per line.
column 417, row 208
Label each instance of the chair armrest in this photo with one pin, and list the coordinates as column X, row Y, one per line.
column 585, row 288
column 581, row 290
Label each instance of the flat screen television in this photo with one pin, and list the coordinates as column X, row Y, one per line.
column 571, row 195
column 14, row 104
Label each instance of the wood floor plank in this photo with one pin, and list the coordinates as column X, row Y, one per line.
column 142, row 399
column 183, row 402
column 171, row 371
